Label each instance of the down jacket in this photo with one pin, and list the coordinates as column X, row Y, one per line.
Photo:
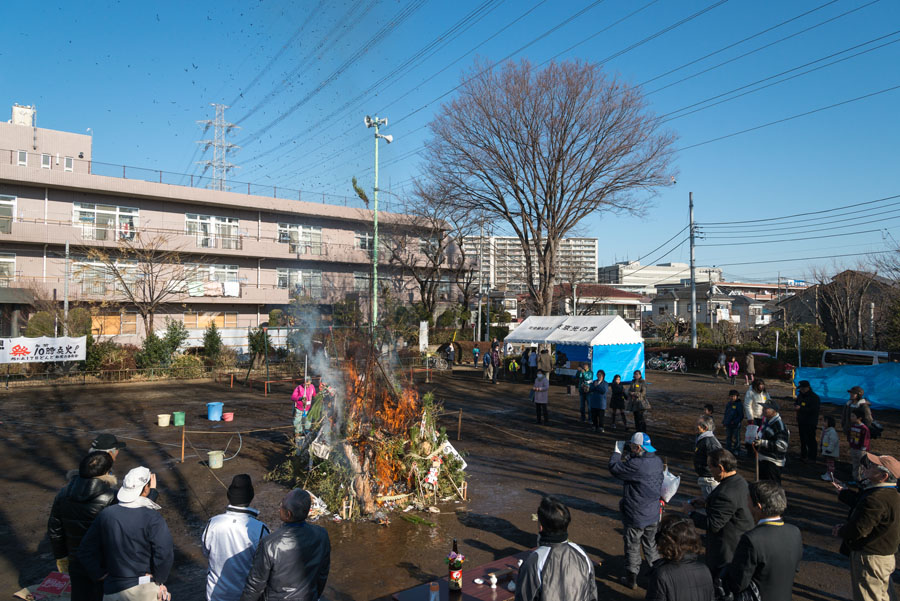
column 291, row 564
column 643, row 478
column 74, row 508
column 558, row 571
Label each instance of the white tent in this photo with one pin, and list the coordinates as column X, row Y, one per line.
column 585, row 330
column 606, row 342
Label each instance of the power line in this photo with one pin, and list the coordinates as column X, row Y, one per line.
column 795, row 259
column 791, row 118
column 779, row 230
column 820, row 212
column 793, row 239
column 764, row 46
column 663, row 118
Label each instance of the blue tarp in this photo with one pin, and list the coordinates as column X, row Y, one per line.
column 832, row 383
column 622, row 359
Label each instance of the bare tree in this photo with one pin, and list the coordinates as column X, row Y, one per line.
column 428, row 247
column 540, row 150
column 845, row 300
column 147, row 270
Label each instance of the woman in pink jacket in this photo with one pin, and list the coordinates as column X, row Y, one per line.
column 302, row 398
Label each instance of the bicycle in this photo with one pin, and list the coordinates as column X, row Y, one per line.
column 678, row 364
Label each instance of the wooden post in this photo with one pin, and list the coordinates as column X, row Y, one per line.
column 459, row 425
column 182, row 443
column 232, row 381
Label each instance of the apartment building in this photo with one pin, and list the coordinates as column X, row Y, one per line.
column 631, row 276
column 502, row 261
column 243, row 254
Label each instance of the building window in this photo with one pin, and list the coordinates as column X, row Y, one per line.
column 113, row 324
column 365, row 241
column 302, row 282
column 362, row 281
column 200, row 272
column 212, row 231
column 69, row 164
column 203, row 319
column 662, row 310
column 23, row 158
column 303, row 239
column 7, row 268
column 7, row 213
column 105, row 222
column 45, row 161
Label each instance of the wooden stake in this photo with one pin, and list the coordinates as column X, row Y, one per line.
column 459, row 425
column 182, row 443
column 465, row 490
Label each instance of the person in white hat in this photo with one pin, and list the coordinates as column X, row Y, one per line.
column 129, row 546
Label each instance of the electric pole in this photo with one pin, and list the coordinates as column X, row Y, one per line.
column 693, row 279
column 219, row 163
column 66, row 295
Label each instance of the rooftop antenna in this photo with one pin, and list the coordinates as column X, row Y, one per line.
column 219, row 163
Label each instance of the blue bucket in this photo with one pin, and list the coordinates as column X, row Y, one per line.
column 214, row 411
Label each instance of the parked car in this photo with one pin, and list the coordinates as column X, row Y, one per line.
column 834, row 357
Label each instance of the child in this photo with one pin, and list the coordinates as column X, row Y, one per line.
column 734, row 416
column 829, row 448
column 859, row 442
column 708, row 409
column 514, row 369
column 733, row 368
column 617, row 400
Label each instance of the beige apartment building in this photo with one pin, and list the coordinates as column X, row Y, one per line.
column 247, row 253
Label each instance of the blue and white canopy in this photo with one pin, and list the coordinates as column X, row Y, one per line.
column 582, row 330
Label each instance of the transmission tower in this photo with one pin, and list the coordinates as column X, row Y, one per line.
column 219, row 163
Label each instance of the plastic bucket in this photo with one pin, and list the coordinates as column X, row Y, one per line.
column 214, row 411
column 216, row 459
column 178, row 418
column 227, row 417
column 162, row 420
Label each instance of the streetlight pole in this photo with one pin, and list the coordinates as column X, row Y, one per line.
column 376, row 123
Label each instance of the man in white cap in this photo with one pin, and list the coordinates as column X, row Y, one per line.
column 872, row 532
column 642, row 472
column 129, row 546
column 229, row 542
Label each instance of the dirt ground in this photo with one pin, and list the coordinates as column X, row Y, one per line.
column 512, row 463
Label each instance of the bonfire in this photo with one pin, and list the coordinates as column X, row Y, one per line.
column 374, row 446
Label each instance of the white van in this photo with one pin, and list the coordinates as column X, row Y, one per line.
column 834, row 357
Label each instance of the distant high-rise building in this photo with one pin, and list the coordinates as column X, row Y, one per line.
column 502, row 261
column 631, row 276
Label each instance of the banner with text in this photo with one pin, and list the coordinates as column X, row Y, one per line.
column 42, row 350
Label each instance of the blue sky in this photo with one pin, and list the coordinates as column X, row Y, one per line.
column 141, row 74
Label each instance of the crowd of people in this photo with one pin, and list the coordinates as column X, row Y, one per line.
column 116, row 546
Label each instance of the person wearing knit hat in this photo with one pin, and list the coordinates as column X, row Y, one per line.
column 230, row 540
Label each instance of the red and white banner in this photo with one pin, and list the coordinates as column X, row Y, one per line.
column 42, row 350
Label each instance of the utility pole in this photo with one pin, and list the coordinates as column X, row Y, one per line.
column 66, row 295
column 693, row 280
column 376, row 123
column 219, row 163
column 480, row 277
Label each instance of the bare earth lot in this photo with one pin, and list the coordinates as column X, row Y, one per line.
column 512, row 462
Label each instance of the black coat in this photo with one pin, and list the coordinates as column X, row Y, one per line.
column 291, row 564
column 706, row 444
column 807, row 409
column 769, row 555
column 685, row 580
column 75, row 508
column 727, row 518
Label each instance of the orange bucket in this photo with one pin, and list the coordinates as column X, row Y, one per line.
column 228, row 417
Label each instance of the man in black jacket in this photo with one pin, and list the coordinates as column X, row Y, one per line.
column 705, row 444
column 727, row 514
column 86, row 494
column 807, row 404
column 129, row 546
column 767, row 557
column 872, row 532
column 292, row 563
column 772, row 444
